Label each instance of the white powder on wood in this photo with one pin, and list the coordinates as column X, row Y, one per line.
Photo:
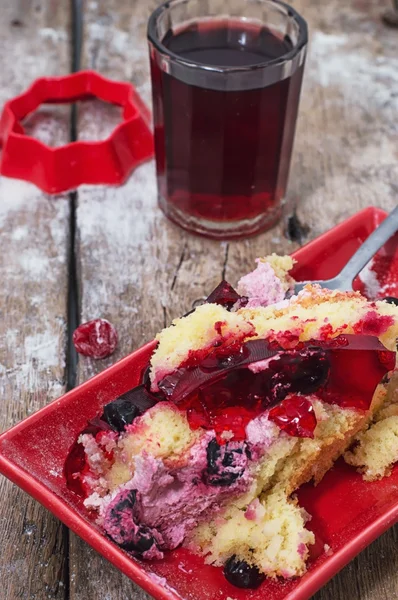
column 34, row 228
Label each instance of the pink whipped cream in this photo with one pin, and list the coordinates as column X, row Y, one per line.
column 170, row 502
column 163, row 502
column 261, row 286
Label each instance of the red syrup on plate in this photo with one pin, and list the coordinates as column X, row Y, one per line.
column 385, row 268
column 381, row 281
column 224, row 155
column 76, row 465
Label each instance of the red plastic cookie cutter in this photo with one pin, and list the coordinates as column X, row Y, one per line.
column 64, row 168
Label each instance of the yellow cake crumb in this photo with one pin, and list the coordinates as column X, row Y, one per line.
column 275, row 540
column 389, row 407
column 315, row 310
column 194, row 332
column 265, row 469
column 376, row 450
column 163, row 432
column 118, row 474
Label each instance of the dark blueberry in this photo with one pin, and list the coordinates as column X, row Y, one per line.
column 137, row 538
column 144, row 540
column 225, row 464
column 302, row 372
column 241, row 574
column 228, row 458
column 313, row 372
column 224, row 294
column 391, row 300
column 120, row 413
column 127, row 503
column 126, row 408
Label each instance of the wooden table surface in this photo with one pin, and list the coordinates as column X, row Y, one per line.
column 140, row 271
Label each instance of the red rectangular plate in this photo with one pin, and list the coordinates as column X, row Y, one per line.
column 347, row 513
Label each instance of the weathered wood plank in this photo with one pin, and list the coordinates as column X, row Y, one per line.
column 34, row 232
column 140, row 271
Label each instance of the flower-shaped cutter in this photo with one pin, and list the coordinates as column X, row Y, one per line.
column 64, row 168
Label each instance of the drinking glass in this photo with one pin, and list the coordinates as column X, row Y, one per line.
column 226, row 81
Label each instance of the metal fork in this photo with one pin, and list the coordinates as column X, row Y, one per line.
column 343, row 281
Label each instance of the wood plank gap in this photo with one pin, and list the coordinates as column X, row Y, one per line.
column 73, row 292
column 73, row 298
column 76, row 37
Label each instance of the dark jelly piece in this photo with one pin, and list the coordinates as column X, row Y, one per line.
column 141, row 398
column 225, row 464
column 97, row 338
column 127, row 407
column 96, row 425
column 224, row 358
column 169, row 383
column 224, row 294
column 145, row 376
column 241, row 574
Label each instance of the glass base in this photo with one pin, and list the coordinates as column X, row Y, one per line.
column 221, row 230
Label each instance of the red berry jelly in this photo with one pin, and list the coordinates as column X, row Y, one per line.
column 337, row 373
column 97, row 338
column 294, row 415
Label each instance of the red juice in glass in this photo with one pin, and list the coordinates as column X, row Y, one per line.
column 225, row 94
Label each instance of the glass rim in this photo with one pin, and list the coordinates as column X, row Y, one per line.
column 302, row 41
